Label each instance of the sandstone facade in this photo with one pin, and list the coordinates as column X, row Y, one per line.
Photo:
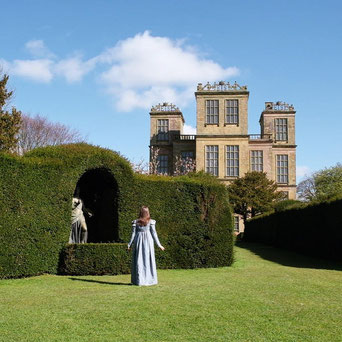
column 222, row 145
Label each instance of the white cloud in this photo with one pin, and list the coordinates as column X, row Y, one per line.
column 38, row 49
column 73, row 69
column 46, row 69
column 139, row 71
column 127, row 99
column 37, row 69
column 189, row 129
column 149, row 69
column 302, row 171
column 145, row 60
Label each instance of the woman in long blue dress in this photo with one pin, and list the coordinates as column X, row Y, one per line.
column 144, row 270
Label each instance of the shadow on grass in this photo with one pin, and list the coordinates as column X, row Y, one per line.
column 100, row 282
column 289, row 258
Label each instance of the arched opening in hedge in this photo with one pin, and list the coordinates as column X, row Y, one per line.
column 98, row 190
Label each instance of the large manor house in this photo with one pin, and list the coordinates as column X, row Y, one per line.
column 222, row 145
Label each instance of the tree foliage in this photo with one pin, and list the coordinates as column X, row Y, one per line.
column 253, row 194
column 38, row 131
column 322, row 185
column 9, row 120
column 328, row 182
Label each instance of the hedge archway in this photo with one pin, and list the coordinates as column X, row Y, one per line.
column 98, row 190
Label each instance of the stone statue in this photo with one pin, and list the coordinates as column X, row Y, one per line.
column 79, row 231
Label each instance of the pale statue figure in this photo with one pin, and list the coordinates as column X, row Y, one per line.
column 79, row 231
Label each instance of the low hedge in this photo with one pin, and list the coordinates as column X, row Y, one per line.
column 193, row 215
column 95, row 259
column 314, row 230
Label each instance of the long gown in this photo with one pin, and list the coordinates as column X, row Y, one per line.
column 144, row 271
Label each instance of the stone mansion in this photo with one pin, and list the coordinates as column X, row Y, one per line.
column 222, row 145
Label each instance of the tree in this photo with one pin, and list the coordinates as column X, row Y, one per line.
column 154, row 161
column 183, row 166
column 38, row 131
column 322, row 185
column 9, row 120
column 306, row 189
column 140, row 167
column 253, row 194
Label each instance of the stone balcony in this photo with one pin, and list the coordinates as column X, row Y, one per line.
column 260, row 137
column 184, row 137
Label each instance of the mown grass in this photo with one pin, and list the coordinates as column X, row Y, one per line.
column 256, row 299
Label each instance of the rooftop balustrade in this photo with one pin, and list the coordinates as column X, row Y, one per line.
column 220, row 86
column 165, row 107
column 278, row 106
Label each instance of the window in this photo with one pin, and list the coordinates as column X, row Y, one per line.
column 187, row 154
column 211, row 161
column 256, row 161
column 232, row 111
column 163, row 164
column 236, row 223
column 212, row 110
column 232, row 160
column 163, row 129
column 281, row 129
column 282, row 168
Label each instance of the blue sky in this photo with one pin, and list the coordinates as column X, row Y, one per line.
column 98, row 66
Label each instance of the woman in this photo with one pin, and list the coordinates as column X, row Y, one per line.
column 144, row 271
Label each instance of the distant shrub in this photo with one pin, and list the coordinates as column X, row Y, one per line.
column 287, row 204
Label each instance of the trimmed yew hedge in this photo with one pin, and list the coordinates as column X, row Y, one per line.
column 35, row 196
column 314, row 230
column 95, row 259
column 194, row 221
column 193, row 215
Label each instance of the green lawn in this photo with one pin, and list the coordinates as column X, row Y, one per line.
column 267, row 295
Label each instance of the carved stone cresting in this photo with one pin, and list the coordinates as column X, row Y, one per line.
column 281, row 106
column 165, row 107
column 220, row 86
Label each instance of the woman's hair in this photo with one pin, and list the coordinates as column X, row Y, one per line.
column 144, row 216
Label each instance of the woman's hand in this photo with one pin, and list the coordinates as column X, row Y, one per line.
column 128, row 248
column 162, row 248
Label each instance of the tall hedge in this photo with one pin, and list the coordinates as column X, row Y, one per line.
column 193, row 216
column 314, row 230
column 193, row 220
column 35, row 208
